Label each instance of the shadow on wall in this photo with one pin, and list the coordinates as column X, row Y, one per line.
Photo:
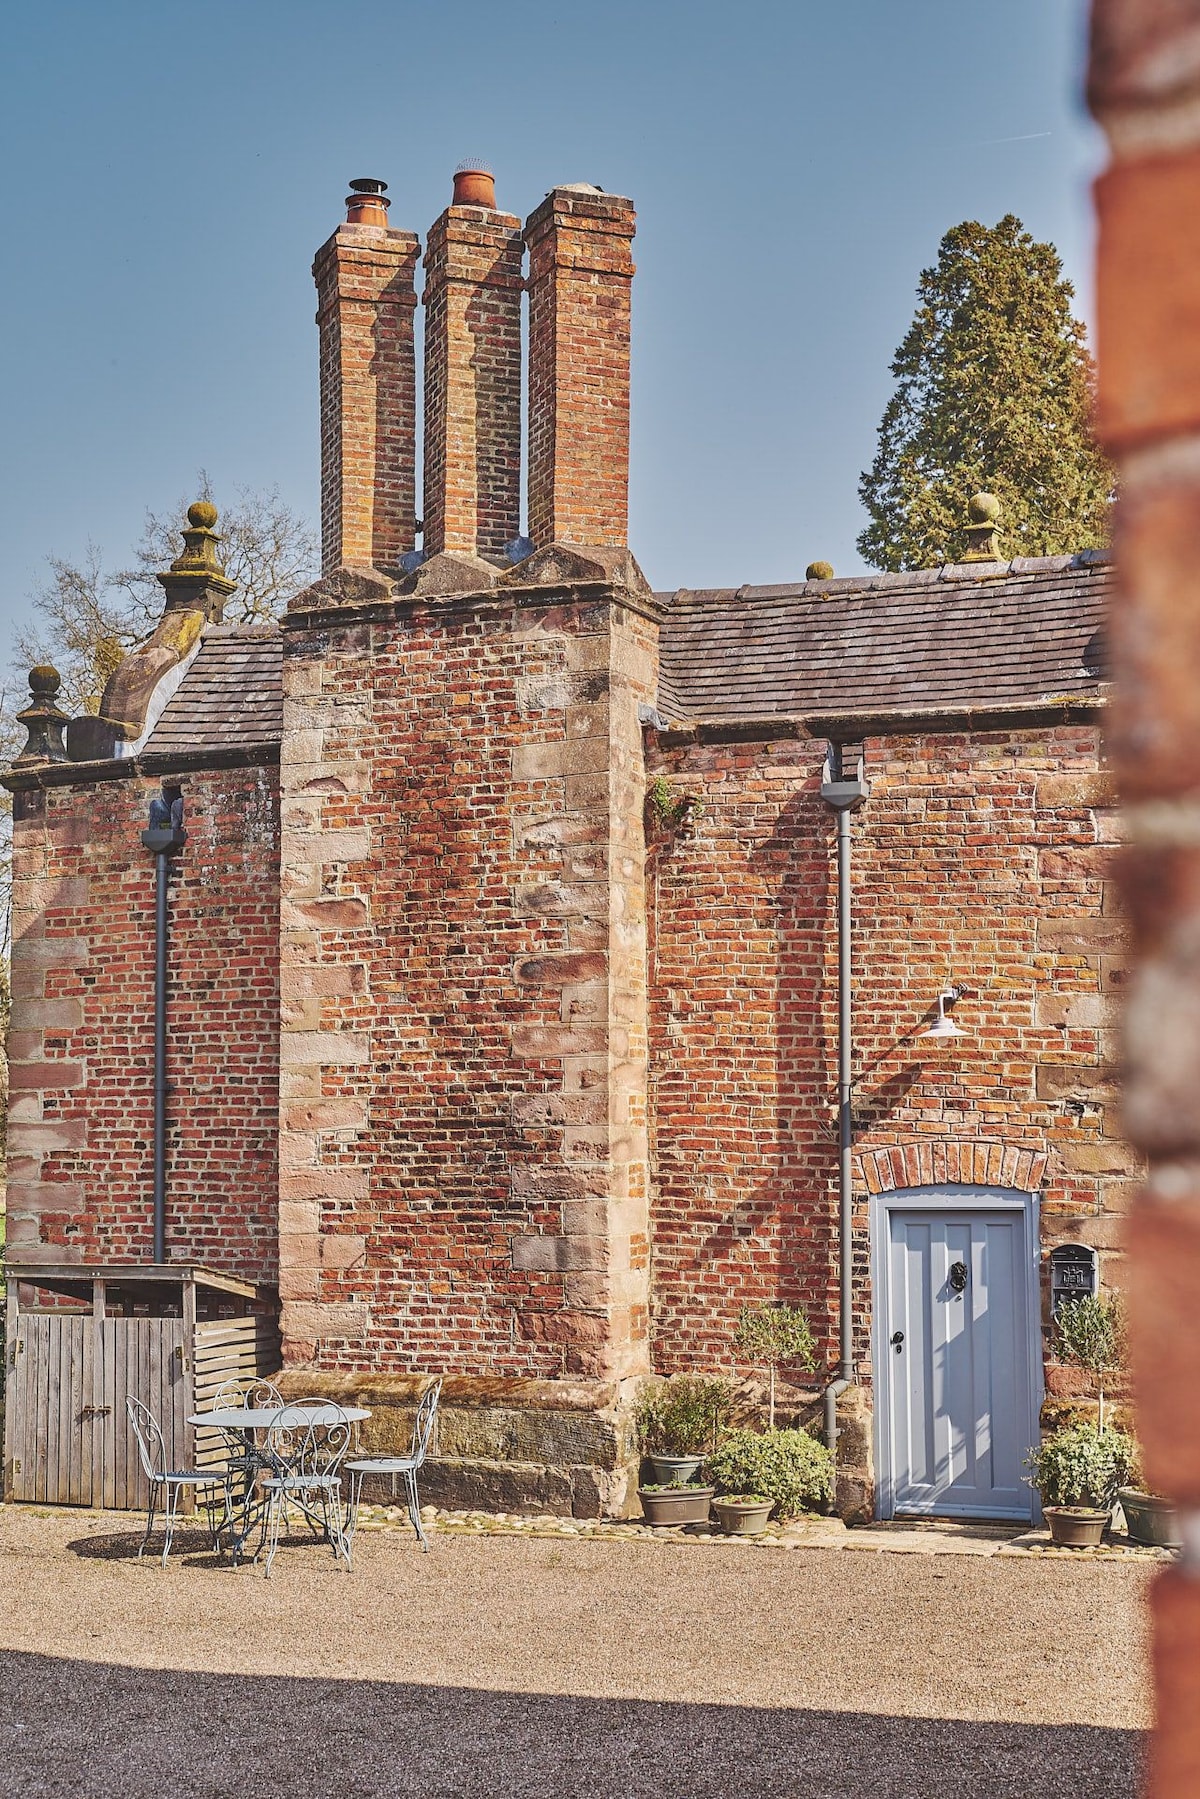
column 88, row 1728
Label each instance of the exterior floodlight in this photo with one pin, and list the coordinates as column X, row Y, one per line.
column 944, row 1025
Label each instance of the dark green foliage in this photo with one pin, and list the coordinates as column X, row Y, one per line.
column 682, row 1416
column 1081, row 1466
column 787, row 1466
column 994, row 393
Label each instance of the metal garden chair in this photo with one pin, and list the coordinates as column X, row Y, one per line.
column 408, row 1465
column 242, row 1393
column 170, row 1483
column 305, row 1448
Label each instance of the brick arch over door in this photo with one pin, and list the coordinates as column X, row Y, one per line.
column 938, row 1161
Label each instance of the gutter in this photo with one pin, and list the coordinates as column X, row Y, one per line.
column 843, row 793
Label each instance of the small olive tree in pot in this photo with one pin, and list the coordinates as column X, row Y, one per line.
column 769, row 1337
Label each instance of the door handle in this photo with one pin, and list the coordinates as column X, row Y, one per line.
column 897, row 1341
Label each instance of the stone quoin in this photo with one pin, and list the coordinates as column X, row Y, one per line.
column 503, row 1016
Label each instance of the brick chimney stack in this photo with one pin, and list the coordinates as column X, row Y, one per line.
column 472, row 297
column 580, row 274
column 365, row 303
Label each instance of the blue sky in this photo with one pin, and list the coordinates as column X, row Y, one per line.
column 168, row 171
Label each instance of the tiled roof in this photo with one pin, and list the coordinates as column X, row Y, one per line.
column 984, row 636
column 231, row 697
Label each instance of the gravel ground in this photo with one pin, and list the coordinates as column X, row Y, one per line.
column 506, row 1665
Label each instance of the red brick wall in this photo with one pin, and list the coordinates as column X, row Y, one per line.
column 365, row 305
column 580, row 276
column 985, row 859
column 472, row 299
column 463, row 1129
column 81, row 1069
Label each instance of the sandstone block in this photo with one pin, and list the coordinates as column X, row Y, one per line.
column 1076, row 1080
column 538, row 1042
column 556, row 1255
column 1076, row 791
column 316, row 1323
column 1081, row 936
column 1076, row 1011
column 341, row 1250
column 299, row 1217
column 324, row 1184
column 321, row 1048
column 1105, row 1156
column 299, row 1281
column 561, row 967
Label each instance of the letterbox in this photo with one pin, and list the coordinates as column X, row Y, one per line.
column 1072, row 1274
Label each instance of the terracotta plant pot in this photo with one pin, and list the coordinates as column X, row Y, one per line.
column 1150, row 1519
column 671, row 1470
column 1076, row 1526
column 743, row 1517
column 666, row 1508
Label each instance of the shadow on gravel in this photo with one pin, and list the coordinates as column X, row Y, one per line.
column 95, row 1728
column 123, row 1545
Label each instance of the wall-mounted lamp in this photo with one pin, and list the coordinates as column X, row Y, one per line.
column 943, row 1025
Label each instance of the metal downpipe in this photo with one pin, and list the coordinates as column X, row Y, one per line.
column 165, row 837
column 162, row 879
column 845, row 795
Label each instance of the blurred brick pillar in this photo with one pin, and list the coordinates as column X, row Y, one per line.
column 1145, row 90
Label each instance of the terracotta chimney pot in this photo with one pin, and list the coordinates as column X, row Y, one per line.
column 365, row 203
column 474, row 185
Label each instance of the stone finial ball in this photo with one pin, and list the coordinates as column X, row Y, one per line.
column 202, row 514
column 819, row 571
column 44, row 680
column 984, row 509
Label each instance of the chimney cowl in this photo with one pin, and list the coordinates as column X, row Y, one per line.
column 474, row 185
column 366, row 203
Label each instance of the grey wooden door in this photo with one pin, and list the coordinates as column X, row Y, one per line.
column 67, row 1435
column 957, row 1345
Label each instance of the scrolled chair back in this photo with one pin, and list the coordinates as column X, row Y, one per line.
column 424, row 1421
column 151, row 1444
column 308, row 1437
column 246, row 1393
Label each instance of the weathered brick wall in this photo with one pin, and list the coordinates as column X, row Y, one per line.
column 580, row 279
column 368, row 385
column 463, row 1094
column 82, row 1048
column 472, row 300
column 985, row 859
column 1145, row 89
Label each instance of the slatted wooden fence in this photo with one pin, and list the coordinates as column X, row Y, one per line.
column 67, row 1435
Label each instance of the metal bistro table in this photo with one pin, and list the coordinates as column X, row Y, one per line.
column 252, row 1425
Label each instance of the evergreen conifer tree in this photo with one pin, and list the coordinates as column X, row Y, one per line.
column 994, row 392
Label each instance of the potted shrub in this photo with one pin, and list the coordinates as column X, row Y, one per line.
column 678, row 1422
column 788, row 1467
column 1090, row 1332
column 1077, row 1471
column 675, row 1503
column 1150, row 1518
column 769, row 1336
column 743, row 1514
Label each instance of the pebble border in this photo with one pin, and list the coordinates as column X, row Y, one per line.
column 807, row 1533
